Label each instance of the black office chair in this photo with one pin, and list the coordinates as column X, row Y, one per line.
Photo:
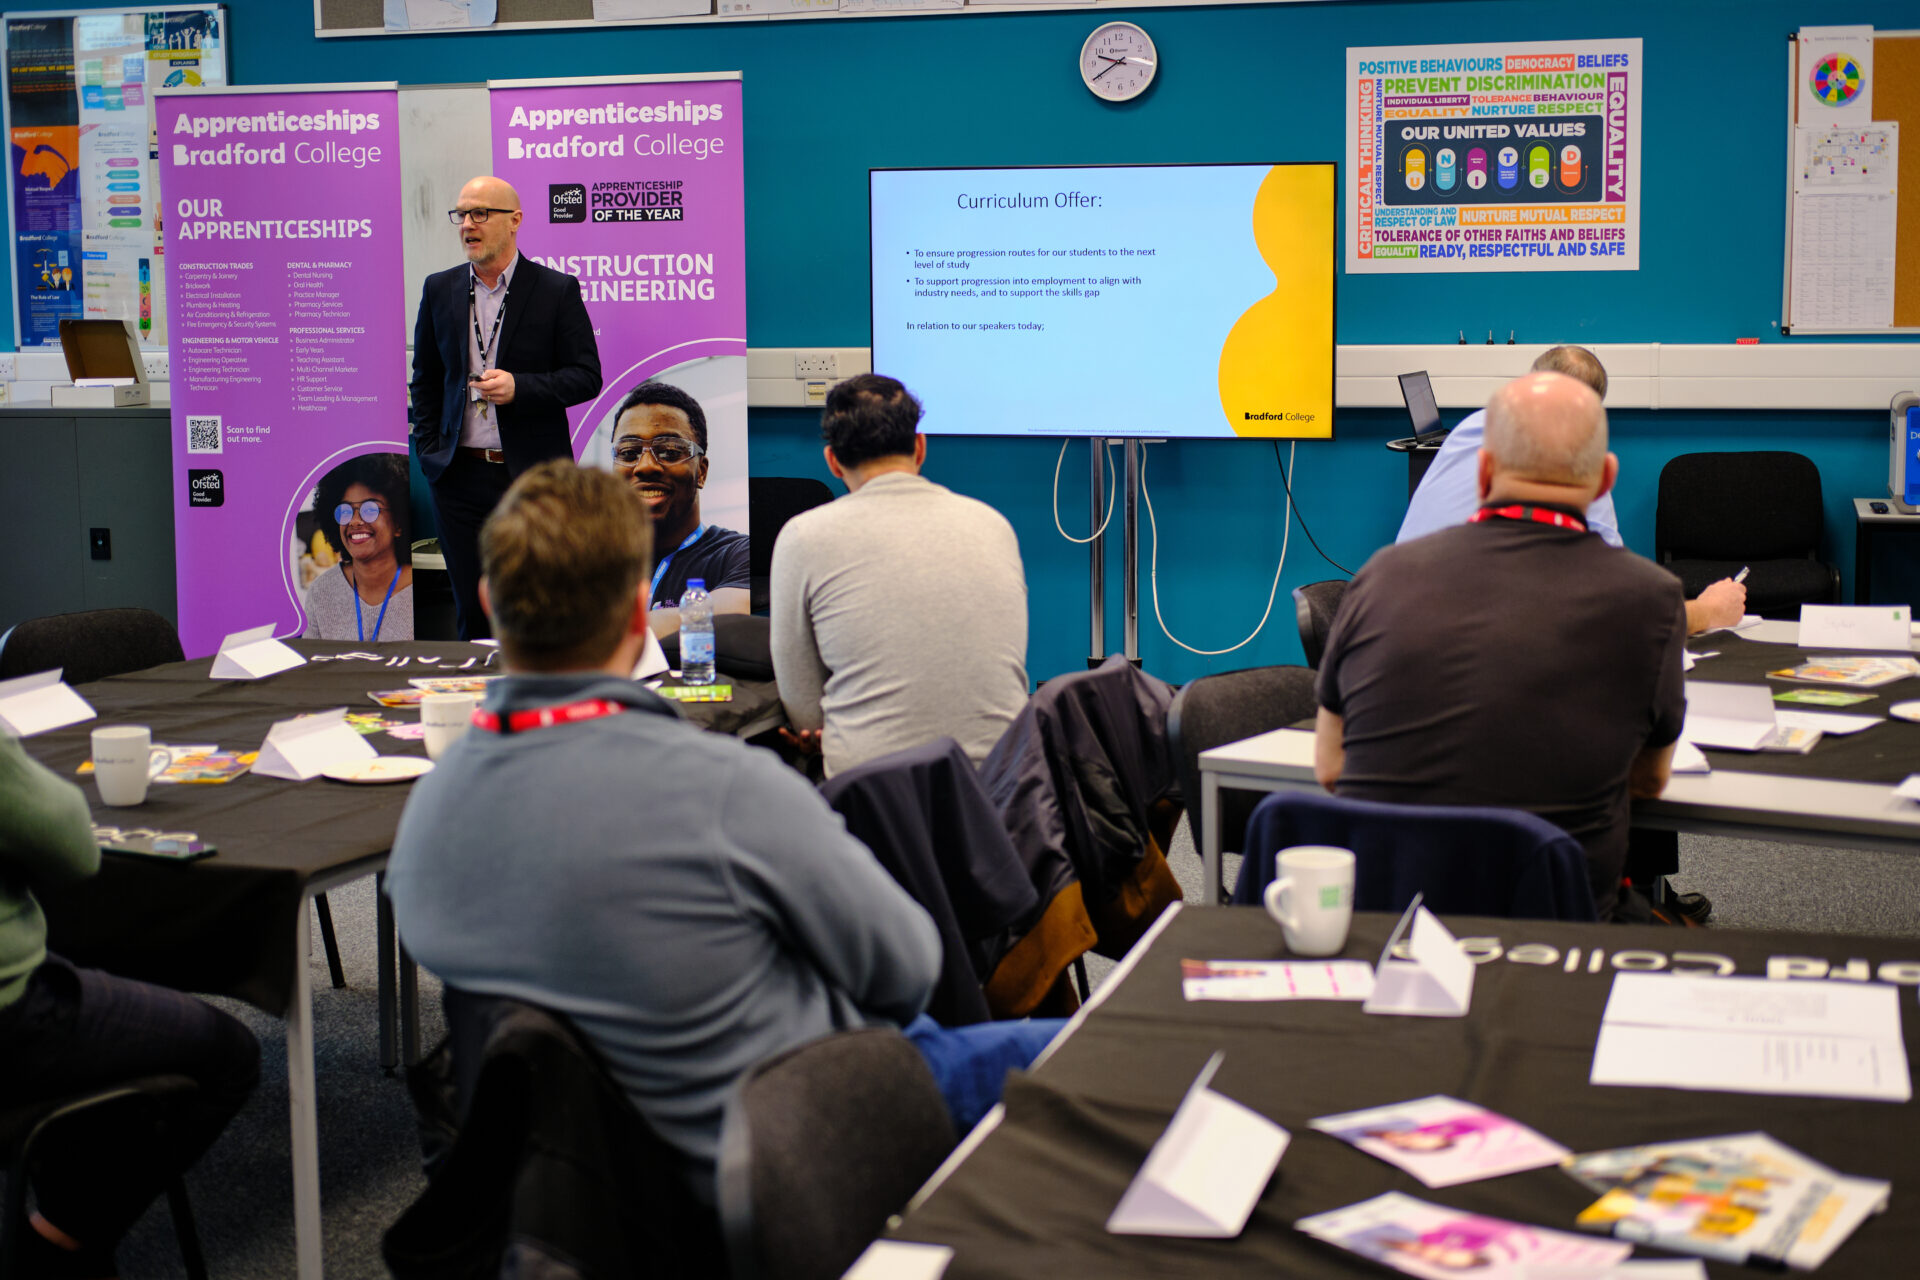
column 90, row 645
column 1215, row 710
column 1721, row 512
column 25, row 1129
column 1313, row 608
column 771, row 502
column 538, row 1164
column 1465, row 861
column 819, row 1146
column 97, row 643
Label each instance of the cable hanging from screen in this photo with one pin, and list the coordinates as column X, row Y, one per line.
column 1104, row 520
column 1153, row 564
column 1302, row 519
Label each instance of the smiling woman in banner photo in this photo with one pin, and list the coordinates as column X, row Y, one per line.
column 361, row 583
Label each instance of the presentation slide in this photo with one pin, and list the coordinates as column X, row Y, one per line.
column 1157, row 300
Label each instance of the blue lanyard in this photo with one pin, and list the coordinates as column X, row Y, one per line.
column 359, row 626
column 660, row 570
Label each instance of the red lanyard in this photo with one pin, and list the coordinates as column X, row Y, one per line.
column 1540, row 515
column 546, row 717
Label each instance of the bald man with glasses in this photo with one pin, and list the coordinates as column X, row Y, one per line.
column 501, row 348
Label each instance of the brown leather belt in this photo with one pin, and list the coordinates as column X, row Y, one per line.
column 485, row 455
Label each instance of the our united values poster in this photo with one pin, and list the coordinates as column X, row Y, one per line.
column 1521, row 156
column 636, row 188
column 288, row 356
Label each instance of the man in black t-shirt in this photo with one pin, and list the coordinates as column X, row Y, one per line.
column 1518, row 660
column 660, row 448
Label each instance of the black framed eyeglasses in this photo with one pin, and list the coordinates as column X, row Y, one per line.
column 369, row 511
column 458, row 216
column 666, row 450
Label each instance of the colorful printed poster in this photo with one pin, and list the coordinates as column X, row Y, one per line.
column 1435, row 1242
column 636, row 188
column 289, row 336
column 1494, row 157
column 83, row 187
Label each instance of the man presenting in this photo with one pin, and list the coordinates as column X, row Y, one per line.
column 1516, row 660
column 502, row 346
column 899, row 611
column 660, row 448
column 1447, row 493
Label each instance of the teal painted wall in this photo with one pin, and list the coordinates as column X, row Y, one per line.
column 827, row 100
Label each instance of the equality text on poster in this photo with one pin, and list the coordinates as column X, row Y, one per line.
column 1521, row 156
column 289, row 340
column 636, row 188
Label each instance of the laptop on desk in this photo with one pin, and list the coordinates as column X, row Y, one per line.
column 1416, row 389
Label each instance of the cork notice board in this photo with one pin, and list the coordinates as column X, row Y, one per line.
column 1896, row 97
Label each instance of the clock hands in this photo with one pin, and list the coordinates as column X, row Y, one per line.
column 1114, row 61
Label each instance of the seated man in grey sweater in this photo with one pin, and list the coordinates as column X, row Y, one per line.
column 899, row 611
column 691, row 904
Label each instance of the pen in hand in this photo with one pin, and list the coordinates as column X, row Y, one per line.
column 1742, row 575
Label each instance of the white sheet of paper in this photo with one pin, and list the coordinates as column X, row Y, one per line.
column 1737, row 717
column 653, row 659
column 1825, row 721
column 39, row 702
column 1651, row 1269
column 1857, row 626
column 250, row 654
column 1753, row 1035
column 1687, row 660
column 901, row 1260
column 298, row 749
column 1910, row 789
column 1436, row 983
column 1206, row 1172
column 1688, row 758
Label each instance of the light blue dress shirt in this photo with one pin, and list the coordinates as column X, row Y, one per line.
column 1450, row 491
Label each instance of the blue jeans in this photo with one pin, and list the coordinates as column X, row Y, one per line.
column 970, row 1064
column 77, row 1030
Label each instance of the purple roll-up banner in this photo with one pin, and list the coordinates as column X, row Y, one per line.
column 636, row 187
column 288, row 336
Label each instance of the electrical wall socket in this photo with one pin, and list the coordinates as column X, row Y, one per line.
column 815, row 364
column 9, row 366
column 156, row 364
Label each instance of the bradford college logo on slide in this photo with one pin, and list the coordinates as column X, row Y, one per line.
column 1836, row 80
column 567, row 202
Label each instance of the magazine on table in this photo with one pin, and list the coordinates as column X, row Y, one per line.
column 1443, row 1141
column 1438, row 1243
column 1739, row 1198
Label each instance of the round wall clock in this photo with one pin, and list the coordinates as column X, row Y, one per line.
column 1118, row 61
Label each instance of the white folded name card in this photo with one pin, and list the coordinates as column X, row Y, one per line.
column 1436, row 983
column 250, row 654
column 1856, row 626
column 39, row 702
column 300, row 748
column 1206, row 1172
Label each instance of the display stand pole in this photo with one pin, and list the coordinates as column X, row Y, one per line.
column 1130, row 558
column 1097, row 568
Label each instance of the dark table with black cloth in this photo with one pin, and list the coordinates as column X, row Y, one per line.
column 222, row 925
column 1033, row 1197
column 1885, row 753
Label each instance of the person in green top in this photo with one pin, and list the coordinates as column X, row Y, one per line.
column 66, row 1031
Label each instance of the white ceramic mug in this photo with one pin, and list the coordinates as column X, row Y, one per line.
column 1312, row 898
column 124, row 761
column 446, row 717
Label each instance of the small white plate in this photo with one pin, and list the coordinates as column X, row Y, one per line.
column 379, row 769
column 1905, row 710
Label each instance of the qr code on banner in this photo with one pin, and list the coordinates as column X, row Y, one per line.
column 204, row 434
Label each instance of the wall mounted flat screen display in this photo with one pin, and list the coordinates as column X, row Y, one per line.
column 1171, row 301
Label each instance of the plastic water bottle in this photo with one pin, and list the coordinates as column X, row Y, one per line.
column 696, row 633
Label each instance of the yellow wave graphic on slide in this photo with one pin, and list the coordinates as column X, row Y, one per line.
column 1276, row 366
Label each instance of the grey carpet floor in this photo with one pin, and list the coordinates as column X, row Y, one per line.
column 369, row 1158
